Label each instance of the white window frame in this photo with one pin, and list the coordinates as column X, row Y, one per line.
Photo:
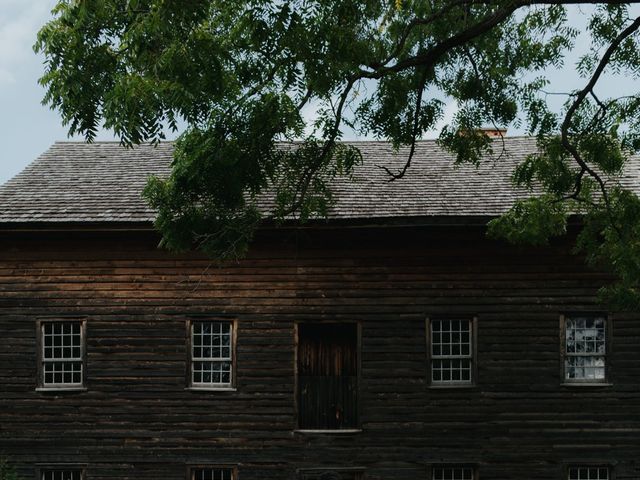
column 463, row 467
column 564, row 322
column 230, row 359
column 192, row 469
column 43, row 361
column 42, row 471
column 471, row 356
column 590, row 475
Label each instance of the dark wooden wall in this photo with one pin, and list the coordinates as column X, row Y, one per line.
column 137, row 420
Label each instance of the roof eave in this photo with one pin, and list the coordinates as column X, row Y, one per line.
column 75, row 226
column 346, row 222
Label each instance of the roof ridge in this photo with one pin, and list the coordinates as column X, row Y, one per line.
column 422, row 140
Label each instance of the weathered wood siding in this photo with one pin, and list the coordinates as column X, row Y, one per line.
column 137, row 420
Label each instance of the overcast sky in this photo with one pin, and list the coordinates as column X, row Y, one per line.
column 27, row 128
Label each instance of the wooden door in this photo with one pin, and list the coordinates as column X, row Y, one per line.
column 327, row 376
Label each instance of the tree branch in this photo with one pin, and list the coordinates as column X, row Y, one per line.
column 312, row 169
column 425, row 21
column 432, row 55
column 476, row 70
column 582, row 94
column 415, row 130
column 459, row 3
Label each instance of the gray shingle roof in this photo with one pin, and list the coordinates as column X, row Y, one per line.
column 102, row 182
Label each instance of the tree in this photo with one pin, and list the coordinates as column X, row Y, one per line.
column 239, row 74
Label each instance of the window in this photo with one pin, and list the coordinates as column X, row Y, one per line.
column 61, row 354
column 453, row 472
column 212, row 473
column 588, row 473
column 585, row 348
column 327, row 383
column 451, row 351
column 61, row 474
column 212, row 354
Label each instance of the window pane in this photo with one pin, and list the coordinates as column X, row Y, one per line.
column 451, row 351
column 212, row 474
column 585, row 348
column 61, row 474
column 589, row 473
column 62, row 373
column 211, row 353
column 62, row 356
column 211, row 340
column 587, row 368
column 61, row 340
column 452, row 473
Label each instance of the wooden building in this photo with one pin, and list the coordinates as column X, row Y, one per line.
column 392, row 340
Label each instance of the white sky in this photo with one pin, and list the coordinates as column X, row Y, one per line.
column 27, row 128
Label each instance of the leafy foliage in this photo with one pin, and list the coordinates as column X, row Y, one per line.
column 243, row 75
column 6, row 471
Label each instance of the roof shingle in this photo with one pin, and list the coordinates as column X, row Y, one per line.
column 103, row 182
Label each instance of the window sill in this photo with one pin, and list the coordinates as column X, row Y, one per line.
column 586, row 384
column 341, row 431
column 211, row 389
column 60, row 389
column 446, row 386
